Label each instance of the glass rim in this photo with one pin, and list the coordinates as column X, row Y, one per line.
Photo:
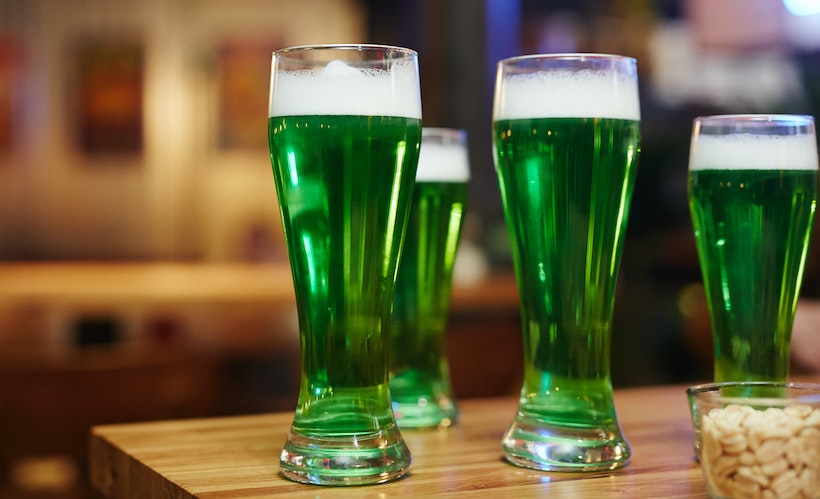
column 763, row 119
column 713, row 390
column 568, row 56
column 345, row 46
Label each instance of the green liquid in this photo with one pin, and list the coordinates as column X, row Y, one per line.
column 752, row 229
column 344, row 185
column 420, row 377
column 566, row 185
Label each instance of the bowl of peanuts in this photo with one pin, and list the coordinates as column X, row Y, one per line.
column 758, row 439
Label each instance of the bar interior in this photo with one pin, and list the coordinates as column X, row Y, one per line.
column 144, row 274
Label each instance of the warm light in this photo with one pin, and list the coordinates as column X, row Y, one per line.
column 802, row 7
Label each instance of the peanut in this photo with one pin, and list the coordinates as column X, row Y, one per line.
column 774, row 453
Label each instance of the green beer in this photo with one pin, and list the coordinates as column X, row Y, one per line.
column 338, row 216
column 566, row 184
column 344, row 179
column 752, row 212
column 419, row 372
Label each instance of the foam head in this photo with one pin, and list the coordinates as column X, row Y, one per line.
column 443, row 161
column 340, row 89
column 588, row 93
column 744, row 151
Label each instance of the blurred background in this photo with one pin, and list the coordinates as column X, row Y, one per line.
column 143, row 273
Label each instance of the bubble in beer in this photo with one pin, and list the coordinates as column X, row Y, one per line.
column 565, row 94
column 745, row 151
column 341, row 89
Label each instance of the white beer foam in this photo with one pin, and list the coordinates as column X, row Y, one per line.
column 582, row 94
column 339, row 89
column 753, row 152
column 442, row 163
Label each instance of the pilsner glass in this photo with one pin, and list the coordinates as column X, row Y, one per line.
column 344, row 134
column 566, row 135
column 752, row 196
column 419, row 372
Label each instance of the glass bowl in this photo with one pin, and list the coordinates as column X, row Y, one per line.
column 758, row 439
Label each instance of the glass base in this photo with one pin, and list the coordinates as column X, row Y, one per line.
column 357, row 459
column 433, row 412
column 549, row 447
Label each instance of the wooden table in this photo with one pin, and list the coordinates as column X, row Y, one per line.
column 237, row 457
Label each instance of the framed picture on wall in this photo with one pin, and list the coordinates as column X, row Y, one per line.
column 11, row 69
column 243, row 67
column 107, row 96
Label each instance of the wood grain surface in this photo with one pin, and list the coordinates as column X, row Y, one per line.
column 237, row 457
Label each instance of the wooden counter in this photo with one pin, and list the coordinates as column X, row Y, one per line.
column 229, row 311
column 173, row 282
column 238, row 457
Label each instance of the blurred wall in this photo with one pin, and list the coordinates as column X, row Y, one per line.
column 198, row 183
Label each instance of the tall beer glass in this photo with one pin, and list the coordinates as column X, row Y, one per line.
column 344, row 134
column 752, row 197
column 419, row 372
column 566, row 134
